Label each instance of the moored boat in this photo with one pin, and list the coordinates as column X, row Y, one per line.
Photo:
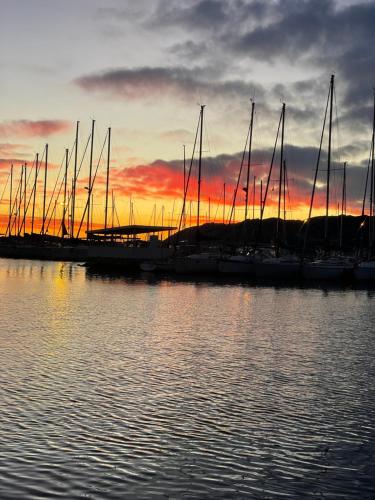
column 365, row 271
column 157, row 266
column 331, row 268
column 237, row 264
column 128, row 253
column 284, row 267
column 199, row 263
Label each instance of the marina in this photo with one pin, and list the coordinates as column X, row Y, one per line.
column 289, row 251
column 215, row 254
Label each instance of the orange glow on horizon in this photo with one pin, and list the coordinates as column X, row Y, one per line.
column 152, row 193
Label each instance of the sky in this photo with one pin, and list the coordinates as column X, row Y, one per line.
column 143, row 68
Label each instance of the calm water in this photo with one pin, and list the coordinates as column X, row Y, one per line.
column 128, row 388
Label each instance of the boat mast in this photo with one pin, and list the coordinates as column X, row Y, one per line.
column 329, row 160
column 19, row 204
column 249, row 158
column 107, row 179
column 315, row 177
column 74, row 183
column 200, row 164
column 183, row 217
column 34, row 193
column 366, row 185
column 254, row 181
column 10, row 196
column 280, row 181
column 90, row 175
column 271, row 164
column 246, row 188
column 343, row 205
column 372, row 179
column 24, row 202
column 92, row 211
column 70, row 208
column 113, row 208
column 284, row 188
column 263, row 200
column 45, row 190
column 54, row 217
column 224, row 203
column 184, row 147
column 15, row 208
column 65, row 189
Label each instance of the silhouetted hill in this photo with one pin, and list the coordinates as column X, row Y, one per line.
column 292, row 233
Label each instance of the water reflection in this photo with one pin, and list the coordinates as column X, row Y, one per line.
column 223, row 280
column 139, row 386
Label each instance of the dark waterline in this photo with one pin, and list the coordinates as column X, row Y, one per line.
column 140, row 387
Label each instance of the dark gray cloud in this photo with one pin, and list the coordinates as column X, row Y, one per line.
column 190, row 50
column 210, row 15
column 324, row 34
column 300, row 27
column 357, row 149
column 204, row 14
column 178, row 81
column 317, row 31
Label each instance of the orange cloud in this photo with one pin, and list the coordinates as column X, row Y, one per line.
column 9, row 150
column 164, row 180
column 30, row 128
column 5, row 163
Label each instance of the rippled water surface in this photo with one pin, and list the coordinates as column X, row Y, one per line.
column 119, row 387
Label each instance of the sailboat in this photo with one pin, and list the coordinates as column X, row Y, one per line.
column 278, row 265
column 237, row 264
column 198, row 262
column 243, row 262
column 329, row 267
column 365, row 269
column 284, row 267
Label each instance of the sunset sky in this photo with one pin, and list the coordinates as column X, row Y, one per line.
column 144, row 67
